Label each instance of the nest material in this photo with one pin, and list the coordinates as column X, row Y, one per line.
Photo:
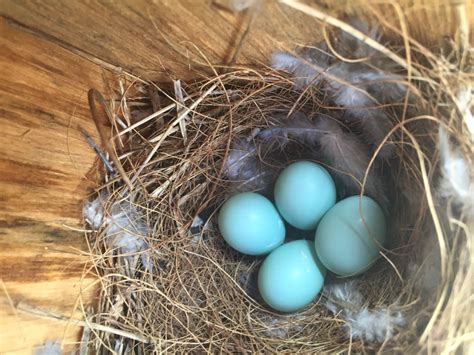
column 185, row 290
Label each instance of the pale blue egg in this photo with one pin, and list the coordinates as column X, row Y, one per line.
column 350, row 235
column 250, row 223
column 304, row 192
column 291, row 276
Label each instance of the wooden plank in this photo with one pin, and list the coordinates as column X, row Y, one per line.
column 156, row 39
column 43, row 165
column 159, row 39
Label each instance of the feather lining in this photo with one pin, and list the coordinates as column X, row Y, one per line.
column 124, row 229
column 361, row 322
column 358, row 87
column 349, row 159
column 456, row 183
column 49, row 348
column 245, row 169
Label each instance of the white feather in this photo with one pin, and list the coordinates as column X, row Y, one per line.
column 343, row 295
column 241, row 5
column 373, row 325
column 456, row 182
column 282, row 327
column 93, row 212
column 465, row 102
column 124, row 229
column 198, row 223
column 49, row 348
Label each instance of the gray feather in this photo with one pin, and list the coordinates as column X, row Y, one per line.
column 351, row 47
column 349, row 159
column 304, row 71
column 245, row 170
column 297, row 128
column 358, row 87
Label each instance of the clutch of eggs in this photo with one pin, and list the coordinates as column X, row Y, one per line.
column 348, row 235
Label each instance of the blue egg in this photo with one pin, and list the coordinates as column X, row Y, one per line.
column 250, row 223
column 350, row 235
column 304, row 192
column 291, row 276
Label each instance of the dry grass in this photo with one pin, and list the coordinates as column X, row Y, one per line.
column 201, row 295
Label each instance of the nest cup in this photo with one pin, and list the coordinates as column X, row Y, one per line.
column 170, row 283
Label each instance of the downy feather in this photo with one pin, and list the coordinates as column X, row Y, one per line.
column 456, row 182
column 465, row 101
column 357, row 87
column 241, row 5
column 245, row 169
column 361, row 322
column 93, row 212
column 351, row 47
column 349, row 159
column 297, row 128
column 124, row 230
column 49, row 348
column 307, row 68
column 282, row 327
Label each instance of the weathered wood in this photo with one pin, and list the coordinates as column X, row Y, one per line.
column 155, row 39
column 158, row 39
column 43, row 164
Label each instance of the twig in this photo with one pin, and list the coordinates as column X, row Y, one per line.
column 98, row 116
column 170, row 128
column 101, row 155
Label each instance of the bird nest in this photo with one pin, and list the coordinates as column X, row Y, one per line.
column 169, row 282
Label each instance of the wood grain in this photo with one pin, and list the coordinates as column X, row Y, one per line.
column 159, row 39
column 43, row 164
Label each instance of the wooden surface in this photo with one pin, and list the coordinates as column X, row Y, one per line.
column 51, row 53
column 156, row 39
column 43, row 164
